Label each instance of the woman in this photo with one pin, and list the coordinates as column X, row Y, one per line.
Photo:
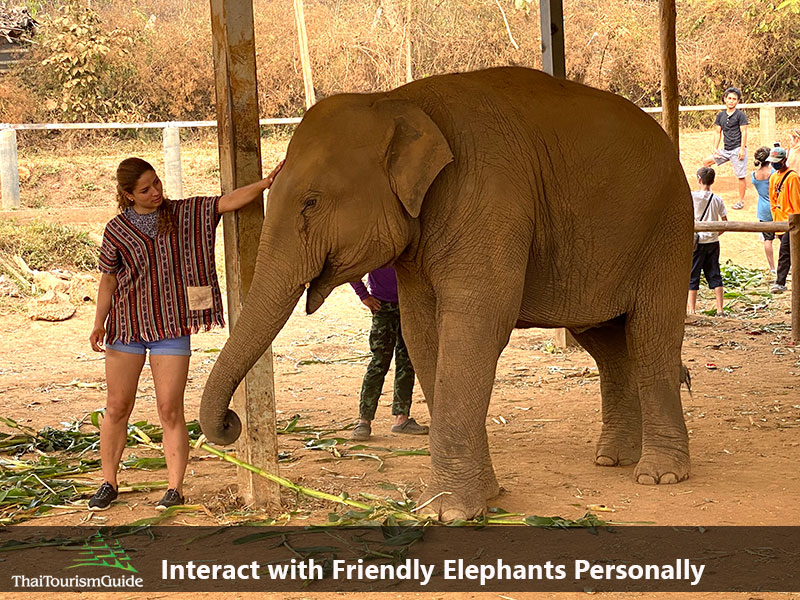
column 760, row 180
column 158, row 286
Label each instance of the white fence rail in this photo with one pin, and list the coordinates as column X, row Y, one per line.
column 9, row 168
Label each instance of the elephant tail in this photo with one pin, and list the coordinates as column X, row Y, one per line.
column 686, row 377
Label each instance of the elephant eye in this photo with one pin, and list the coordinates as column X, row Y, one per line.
column 309, row 202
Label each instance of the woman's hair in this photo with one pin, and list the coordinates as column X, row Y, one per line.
column 760, row 156
column 128, row 173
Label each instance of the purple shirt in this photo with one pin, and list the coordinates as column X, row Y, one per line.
column 382, row 285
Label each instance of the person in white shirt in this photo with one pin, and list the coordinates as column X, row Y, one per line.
column 707, row 207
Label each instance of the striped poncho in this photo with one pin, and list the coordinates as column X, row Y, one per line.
column 166, row 286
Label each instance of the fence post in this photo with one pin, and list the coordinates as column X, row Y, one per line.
column 172, row 162
column 564, row 339
column 794, row 255
column 9, row 170
column 766, row 124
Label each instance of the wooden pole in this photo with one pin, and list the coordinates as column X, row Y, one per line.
column 172, row 162
column 407, row 36
column 554, row 62
column 305, row 60
column 552, row 24
column 794, row 249
column 9, row 169
column 669, row 71
column 240, row 164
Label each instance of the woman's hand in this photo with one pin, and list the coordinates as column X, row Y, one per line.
column 243, row 196
column 97, row 337
column 269, row 179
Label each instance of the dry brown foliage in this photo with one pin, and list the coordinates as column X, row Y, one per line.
column 359, row 46
column 17, row 102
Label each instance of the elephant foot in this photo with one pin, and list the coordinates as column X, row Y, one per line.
column 662, row 468
column 450, row 503
column 615, row 449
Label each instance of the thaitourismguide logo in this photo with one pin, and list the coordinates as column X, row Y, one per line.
column 97, row 553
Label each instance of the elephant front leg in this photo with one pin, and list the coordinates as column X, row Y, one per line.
column 420, row 332
column 463, row 478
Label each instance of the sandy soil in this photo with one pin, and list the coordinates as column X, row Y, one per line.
column 544, row 418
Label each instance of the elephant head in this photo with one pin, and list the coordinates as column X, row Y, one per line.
column 347, row 201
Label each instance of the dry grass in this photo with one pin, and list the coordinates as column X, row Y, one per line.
column 76, row 172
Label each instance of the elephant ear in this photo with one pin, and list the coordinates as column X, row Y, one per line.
column 415, row 153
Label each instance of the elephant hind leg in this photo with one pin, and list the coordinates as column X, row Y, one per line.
column 620, row 442
column 654, row 341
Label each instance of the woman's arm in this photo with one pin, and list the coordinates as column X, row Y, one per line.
column 108, row 285
column 245, row 195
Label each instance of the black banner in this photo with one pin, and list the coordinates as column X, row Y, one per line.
column 394, row 559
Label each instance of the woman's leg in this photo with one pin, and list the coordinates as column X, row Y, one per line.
column 770, row 254
column 122, row 377
column 169, row 379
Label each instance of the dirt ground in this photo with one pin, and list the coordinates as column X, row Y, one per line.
column 543, row 421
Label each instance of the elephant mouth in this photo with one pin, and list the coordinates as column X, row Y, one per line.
column 319, row 289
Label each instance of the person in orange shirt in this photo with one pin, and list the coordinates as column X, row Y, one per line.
column 784, row 200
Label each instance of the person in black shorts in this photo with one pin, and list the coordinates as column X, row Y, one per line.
column 707, row 207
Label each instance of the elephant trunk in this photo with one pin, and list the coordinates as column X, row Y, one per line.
column 268, row 305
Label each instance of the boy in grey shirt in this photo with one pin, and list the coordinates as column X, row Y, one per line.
column 707, row 207
column 731, row 126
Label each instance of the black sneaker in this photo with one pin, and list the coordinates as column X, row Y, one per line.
column 171, row 498
column 103, row 497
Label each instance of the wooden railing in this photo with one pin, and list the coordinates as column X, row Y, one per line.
column 793, row 227
column 9, row 169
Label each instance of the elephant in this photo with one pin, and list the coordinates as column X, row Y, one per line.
column 504, row 198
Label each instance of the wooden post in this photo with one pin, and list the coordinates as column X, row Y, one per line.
column 9, row 169
column 766, row 125
column 407, row 36
column 240, row 164
column 563, row 339
column 172, row 162
column 552, row 24
column 554, row 63
column 305, row 60
column 669, row 71
column 794, row 249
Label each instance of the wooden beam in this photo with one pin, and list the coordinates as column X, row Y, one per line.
column 552, row 22
column 240, row 164
column 770, row 226
column 305, row 59
column 669, row 71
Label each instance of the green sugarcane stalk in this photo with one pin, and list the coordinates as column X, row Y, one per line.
column 280, row 480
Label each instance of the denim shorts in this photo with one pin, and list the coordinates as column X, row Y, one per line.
column 767, row 235
column 180, row 346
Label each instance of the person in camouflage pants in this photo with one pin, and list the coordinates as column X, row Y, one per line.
column 385, row 339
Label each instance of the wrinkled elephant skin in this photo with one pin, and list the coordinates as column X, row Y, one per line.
column 504, row 198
